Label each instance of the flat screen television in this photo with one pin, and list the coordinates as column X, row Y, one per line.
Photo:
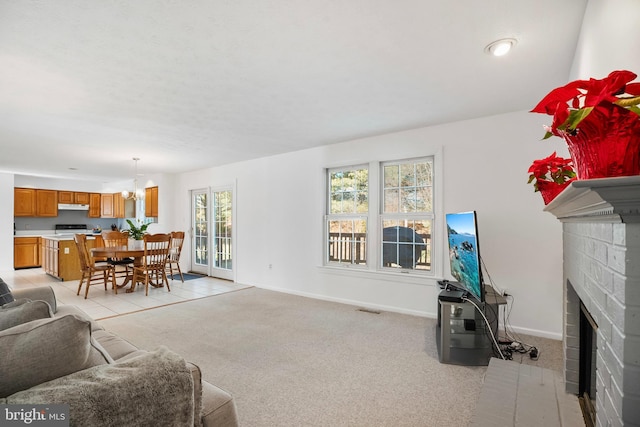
column 464, row 252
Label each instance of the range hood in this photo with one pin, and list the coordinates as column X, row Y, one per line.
column 72, row 207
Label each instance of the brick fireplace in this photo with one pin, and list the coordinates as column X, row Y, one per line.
column 601, row 243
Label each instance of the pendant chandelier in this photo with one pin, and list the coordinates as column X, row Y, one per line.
column 138, row 193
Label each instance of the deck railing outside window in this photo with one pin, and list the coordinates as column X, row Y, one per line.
column 352, row 249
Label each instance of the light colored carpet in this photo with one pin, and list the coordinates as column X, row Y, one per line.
column 293, row 361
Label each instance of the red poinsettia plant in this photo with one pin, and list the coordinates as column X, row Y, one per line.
column 552, row 169
column 597, row 99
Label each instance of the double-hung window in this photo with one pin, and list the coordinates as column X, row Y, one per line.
column 406, row 217
column 402, row 216
column 347, row 216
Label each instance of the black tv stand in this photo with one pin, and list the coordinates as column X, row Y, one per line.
column 462, row 335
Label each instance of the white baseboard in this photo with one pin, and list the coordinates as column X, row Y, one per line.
column 419, row 313
column 359, row 304
column 535, row 332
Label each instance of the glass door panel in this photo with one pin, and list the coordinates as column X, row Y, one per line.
column 222, row 234
column 200, row 226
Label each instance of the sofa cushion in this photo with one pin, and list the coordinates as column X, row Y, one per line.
column 40, row 293
column 65, row 309
column 155, row 388
column 114, row 345
column 42, row 350
column 5, row 293
column 13, row 314
column 16, row 302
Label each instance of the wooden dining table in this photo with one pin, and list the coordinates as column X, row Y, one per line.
column 122, row 252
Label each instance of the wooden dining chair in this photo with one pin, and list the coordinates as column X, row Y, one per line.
column 154, row 261
column 175, row 248
column 114, row 239
column 91, row 271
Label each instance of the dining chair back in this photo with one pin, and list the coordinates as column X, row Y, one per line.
column 91, row 272
column 115, row 239
column 175, row 248
column 154, row 261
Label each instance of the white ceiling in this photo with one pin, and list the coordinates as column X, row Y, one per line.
column 186, row 85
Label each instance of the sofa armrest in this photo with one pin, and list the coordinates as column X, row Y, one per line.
column 218, row 407
column 215, row 407
column 42, row 293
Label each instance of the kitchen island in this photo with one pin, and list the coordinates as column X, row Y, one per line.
column 60, row 255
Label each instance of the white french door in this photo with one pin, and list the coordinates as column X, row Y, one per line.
column 212, row 237
column 222, row 233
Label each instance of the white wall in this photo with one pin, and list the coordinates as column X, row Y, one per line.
column 609, row 39
column 280, row 202
column 29, row 181
column 6, row 219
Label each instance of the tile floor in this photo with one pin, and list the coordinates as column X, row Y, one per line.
column 102, row 304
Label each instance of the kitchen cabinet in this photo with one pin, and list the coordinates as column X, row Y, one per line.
column 73, row 197
column 26, row 252
column 65, row 196
column 123, row 207
column 118, row 205
column 50, row 256
column 35, row 202
column 24, row 202
column 81, row 198
column 46, row 202
column 61, row 258
column 95, row 205
column 151, row 202
column 106, row 203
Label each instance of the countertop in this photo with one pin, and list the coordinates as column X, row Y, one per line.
column 50, row 234
column 60, row 237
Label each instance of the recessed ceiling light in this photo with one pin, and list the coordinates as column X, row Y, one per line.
column 500, row 47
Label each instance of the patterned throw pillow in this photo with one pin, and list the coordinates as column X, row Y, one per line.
column 5, row 293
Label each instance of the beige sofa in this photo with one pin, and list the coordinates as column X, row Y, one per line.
column 105, row 379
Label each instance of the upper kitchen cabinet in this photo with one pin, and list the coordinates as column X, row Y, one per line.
column 123, row 207
column 118, row 205
column 24, row 202
column 65, row 196
column 110, row 206
column 151, row 202
column 106, row 203
column 34, row 202
column 46, row 203
column 95, row 205
column 73, row 197
column 81, row 198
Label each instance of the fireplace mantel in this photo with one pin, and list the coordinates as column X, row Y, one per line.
column 611, row 199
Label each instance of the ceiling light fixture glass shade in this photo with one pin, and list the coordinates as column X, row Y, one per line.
column 138, row 193
column 500, row 47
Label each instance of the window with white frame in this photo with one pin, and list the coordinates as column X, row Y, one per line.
column 404, row 216
column 347, row 216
